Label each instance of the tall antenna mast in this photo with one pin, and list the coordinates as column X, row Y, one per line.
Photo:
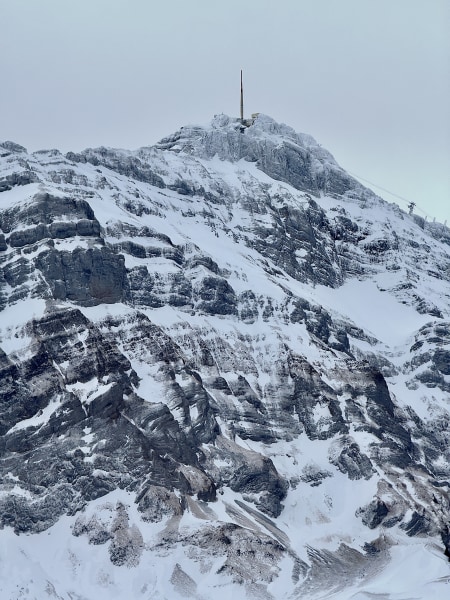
column 242, row 101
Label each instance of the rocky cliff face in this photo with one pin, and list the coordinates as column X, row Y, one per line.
column 228, row 340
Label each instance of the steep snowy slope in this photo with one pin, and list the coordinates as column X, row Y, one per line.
column 225, row 369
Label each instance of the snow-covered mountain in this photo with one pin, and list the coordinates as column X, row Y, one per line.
column 224, row 370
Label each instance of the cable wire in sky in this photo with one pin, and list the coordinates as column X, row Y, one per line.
column 392, row 194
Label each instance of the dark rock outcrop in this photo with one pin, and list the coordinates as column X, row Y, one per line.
column 87, row 277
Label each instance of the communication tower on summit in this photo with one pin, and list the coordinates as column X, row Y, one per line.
column 242, row 101
column 245, row 122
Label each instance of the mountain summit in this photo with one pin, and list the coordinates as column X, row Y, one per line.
column 224, row 369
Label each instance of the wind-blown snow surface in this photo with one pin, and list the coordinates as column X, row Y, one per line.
column 235, row 361
column 41, row 566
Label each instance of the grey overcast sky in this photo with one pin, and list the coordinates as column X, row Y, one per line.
column 369, row 79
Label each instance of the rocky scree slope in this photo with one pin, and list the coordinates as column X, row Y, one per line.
column 236, row 336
